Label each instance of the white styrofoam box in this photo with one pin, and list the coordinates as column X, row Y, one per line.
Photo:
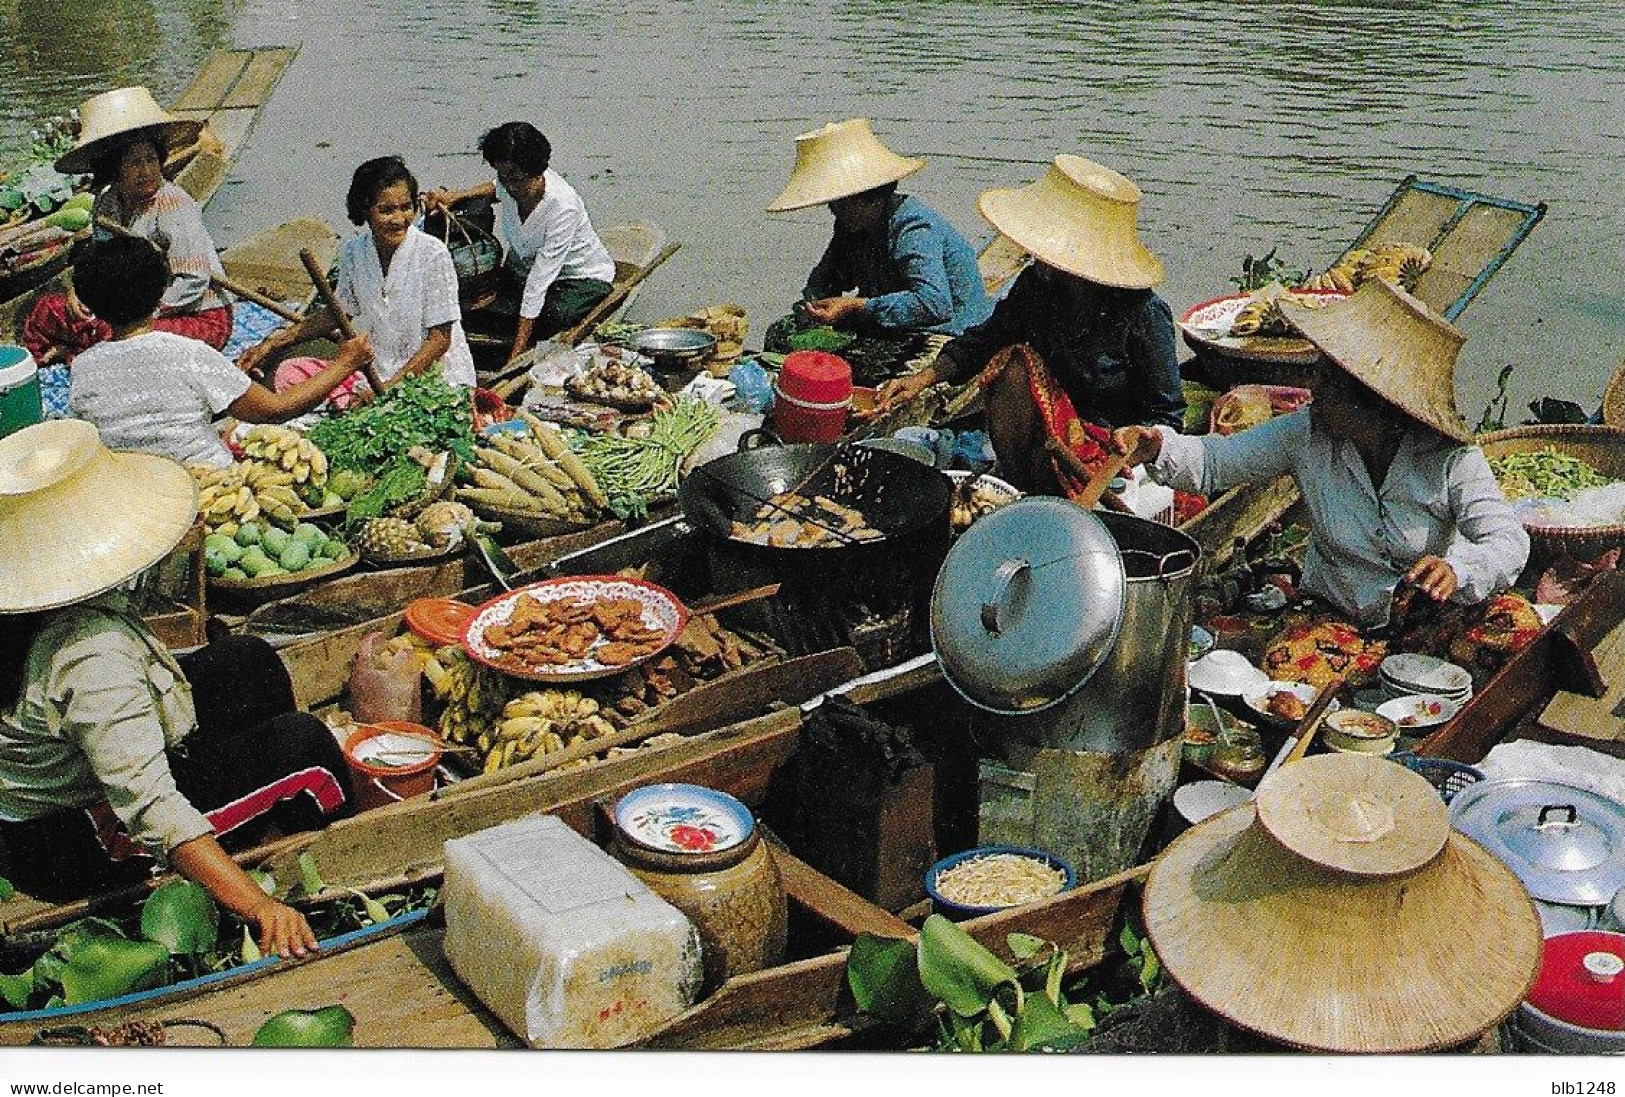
column 560, row 941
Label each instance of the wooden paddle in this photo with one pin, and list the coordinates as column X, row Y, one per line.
column 270, row 304
column 1311, row 721
column 318, row 278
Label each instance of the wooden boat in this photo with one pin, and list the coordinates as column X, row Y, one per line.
column 226, row 96
column 403, row 993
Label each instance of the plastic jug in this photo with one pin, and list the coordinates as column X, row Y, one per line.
column 20, row 403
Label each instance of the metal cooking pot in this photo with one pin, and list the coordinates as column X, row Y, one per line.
column 671, row 347
column 1566, row 843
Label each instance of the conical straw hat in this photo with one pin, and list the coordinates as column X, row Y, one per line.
column 838, row 161
column 1079, row 217
column 1394, row 345
column 122, row 111
column 1354, row 813
column 1330, row 961
column 77, row 519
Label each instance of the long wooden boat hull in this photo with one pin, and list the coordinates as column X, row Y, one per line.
column 403, row 993
column 226, row 95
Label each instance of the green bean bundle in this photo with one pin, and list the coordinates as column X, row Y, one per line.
column 631, row 471
column 1545, row 473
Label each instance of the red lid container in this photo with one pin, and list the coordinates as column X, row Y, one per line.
column 816, row 377
column 1582, row 980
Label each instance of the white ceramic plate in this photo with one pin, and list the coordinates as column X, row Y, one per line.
column 1226, row 672
column 1418, row 710
column 1425, row 673
column 1258, row 700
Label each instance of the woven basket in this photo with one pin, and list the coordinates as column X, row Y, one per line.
column 1613, row 399
column 475, row 253
column 1603, row 448
column 253, row 591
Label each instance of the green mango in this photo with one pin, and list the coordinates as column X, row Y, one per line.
column 255, row 563
column 295, row 557
column 83, row 200
column 249, row 533
column 332, row 549
column 181, row 917
column 234, row 573
column 215, row 563
column 104, row 966
column 225, row 546
column 275, row 540
column 330, row 1026
column 69, row 219
column 308, row 535
column 274, row 569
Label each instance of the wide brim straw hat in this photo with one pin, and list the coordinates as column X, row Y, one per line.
column 1329, row 960
column 1394, row 345
column 1080, row 217
column 837, row 161
column 118, row 113
column 77, row 518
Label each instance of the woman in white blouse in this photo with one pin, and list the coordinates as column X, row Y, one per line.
column 556, row 269
column 1396, row 491
column 396, row 280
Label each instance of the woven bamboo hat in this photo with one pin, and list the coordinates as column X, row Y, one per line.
column 77, row 519
column 116, row 113
column 840, row 160
column 1338, row 960
column 1394, row 345
column 1079, row 217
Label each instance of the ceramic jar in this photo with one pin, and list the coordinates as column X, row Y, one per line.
column 734, row 897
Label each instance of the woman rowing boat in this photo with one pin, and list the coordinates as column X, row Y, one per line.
column 114, row 754
column 125, row 141
column 397, row 280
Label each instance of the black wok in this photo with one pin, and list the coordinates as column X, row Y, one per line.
column 896, row 495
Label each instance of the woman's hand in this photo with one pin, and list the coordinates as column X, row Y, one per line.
column 1137, row 445
column 900, row 390
column 250, row 359
column 835, row 311
column 355, row 353
column 283, row 930
column 439, row 199
column 1433, row 576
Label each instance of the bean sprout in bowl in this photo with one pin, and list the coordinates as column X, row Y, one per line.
column 993, row 878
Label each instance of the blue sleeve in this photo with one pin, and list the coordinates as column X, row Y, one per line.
column 928, row 302
column 1154, row 357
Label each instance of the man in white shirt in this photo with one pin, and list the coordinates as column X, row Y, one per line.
column 556, row 269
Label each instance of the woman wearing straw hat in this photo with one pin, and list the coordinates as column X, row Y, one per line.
column 113, row 753
column 1080, row 339
column 911, row 269
column 159, row 392
column 555, row 269
column 1396, row 491
column 123, row 142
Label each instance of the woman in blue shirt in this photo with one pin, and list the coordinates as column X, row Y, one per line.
column 912, row 272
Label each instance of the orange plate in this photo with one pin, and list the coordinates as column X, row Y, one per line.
column 439, row 620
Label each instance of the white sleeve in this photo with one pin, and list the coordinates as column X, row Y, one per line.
column 1491, row 546
column 439, row 273
column 220, row 382
column 1213, row 463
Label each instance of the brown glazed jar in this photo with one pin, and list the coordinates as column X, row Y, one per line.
column 734, row 897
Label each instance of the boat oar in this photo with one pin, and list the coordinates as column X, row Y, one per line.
column 1095, row 491
column 1312, row 720
column 270, row 304
column 318, row 278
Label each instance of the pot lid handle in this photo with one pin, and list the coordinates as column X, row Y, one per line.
column 1574, row 815
column 1602, row 967
column 1002, row 578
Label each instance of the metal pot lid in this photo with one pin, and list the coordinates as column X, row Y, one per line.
column 1027, row 605
column 1565, row 843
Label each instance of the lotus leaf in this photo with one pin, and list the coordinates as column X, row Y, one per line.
column 181, row 917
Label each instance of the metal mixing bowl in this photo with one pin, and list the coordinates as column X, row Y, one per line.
column 674, row 345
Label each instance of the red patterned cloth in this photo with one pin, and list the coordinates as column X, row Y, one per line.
column 50, row 326
column 1061, row 420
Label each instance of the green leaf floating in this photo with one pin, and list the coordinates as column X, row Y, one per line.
column 330, row 1026
column 181, row 917
column 957, row 969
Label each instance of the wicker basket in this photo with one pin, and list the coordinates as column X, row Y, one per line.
column 253, row 591
column 1603, row 448
column 1446, row 776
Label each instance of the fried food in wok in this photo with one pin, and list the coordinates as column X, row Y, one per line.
column 791, row 520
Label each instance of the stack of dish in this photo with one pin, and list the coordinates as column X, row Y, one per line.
column 1409, row 674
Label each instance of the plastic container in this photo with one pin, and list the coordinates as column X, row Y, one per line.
column 956, row 911
column 812, row 398
column 20, row 402
column 409, row 771
column 1577, row 1005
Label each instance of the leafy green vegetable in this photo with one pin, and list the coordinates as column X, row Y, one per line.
column 821, row 338
column 957, row 969
column 1544, row 473
column 402, row 482
column 419, row 411
column 885, row 979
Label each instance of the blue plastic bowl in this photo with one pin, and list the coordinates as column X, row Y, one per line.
column 955, row 910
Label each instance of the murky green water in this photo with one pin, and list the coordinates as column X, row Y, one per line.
column 1247, row 126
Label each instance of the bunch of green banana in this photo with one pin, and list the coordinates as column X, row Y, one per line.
column 473, row 696
column 1403, row 264
column 539, row 723
column 286, row 450
column 241, row 492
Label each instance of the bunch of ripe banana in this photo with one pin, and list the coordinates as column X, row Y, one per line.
column 540, row 723
column 286, row 451
column 243, row 492
column 473, row 696
column 1402, row 264
column 1262, row 315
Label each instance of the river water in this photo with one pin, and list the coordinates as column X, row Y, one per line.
column 1248, row 126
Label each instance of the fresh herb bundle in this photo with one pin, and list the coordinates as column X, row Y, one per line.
column 419, row 411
